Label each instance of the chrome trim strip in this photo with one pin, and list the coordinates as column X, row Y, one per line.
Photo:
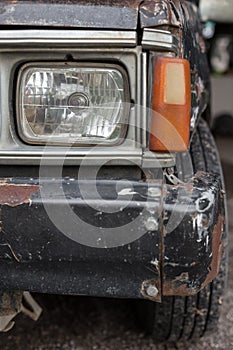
column 160, row 160
column 24, row 158
column 155, row 39
column 72, row 38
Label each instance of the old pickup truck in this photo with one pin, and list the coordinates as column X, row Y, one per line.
column 110, row 184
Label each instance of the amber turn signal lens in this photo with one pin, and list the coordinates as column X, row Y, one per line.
column 171, row 105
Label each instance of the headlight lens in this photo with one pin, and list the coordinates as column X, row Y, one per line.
column 66, row 103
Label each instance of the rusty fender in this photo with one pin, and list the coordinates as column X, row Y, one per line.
column 191, row 246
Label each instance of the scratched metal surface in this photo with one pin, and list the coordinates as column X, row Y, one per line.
column 89, row 14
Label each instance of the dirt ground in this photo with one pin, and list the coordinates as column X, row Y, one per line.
column 75, row 323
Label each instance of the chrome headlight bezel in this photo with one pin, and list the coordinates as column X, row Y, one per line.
column 26, row 137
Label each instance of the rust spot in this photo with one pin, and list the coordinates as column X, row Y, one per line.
column 216, row 251
column 161, row 12
column 179, row 286
column 170, row 288
column 13, row 195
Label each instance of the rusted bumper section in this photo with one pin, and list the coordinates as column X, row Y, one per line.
column 111, row 251
column 166, row 238
column 192, row 235
column 193, row 250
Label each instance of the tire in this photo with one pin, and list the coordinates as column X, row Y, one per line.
column 192, row 317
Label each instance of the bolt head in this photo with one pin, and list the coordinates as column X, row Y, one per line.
column 152, row 291
column 152, row 224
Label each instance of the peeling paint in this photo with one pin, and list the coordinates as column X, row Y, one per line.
column 161, row 12
column 13, row 195
column 217, row 248
column 155, row 263
column 204, row 203
column 188, row 261
column 179, row 286
column 126, row 192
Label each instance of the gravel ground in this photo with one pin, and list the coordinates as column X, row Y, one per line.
column 75, row 323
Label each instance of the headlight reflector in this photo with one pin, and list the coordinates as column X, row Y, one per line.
column 72, row 103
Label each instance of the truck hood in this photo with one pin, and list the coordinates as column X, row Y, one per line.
column 100, row 14
column 91, row 14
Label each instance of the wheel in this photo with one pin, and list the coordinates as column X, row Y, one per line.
column 190, row 317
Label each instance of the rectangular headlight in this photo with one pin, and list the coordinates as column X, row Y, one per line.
column 72, row 103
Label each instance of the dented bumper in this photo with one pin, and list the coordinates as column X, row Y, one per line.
column 127, row 239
